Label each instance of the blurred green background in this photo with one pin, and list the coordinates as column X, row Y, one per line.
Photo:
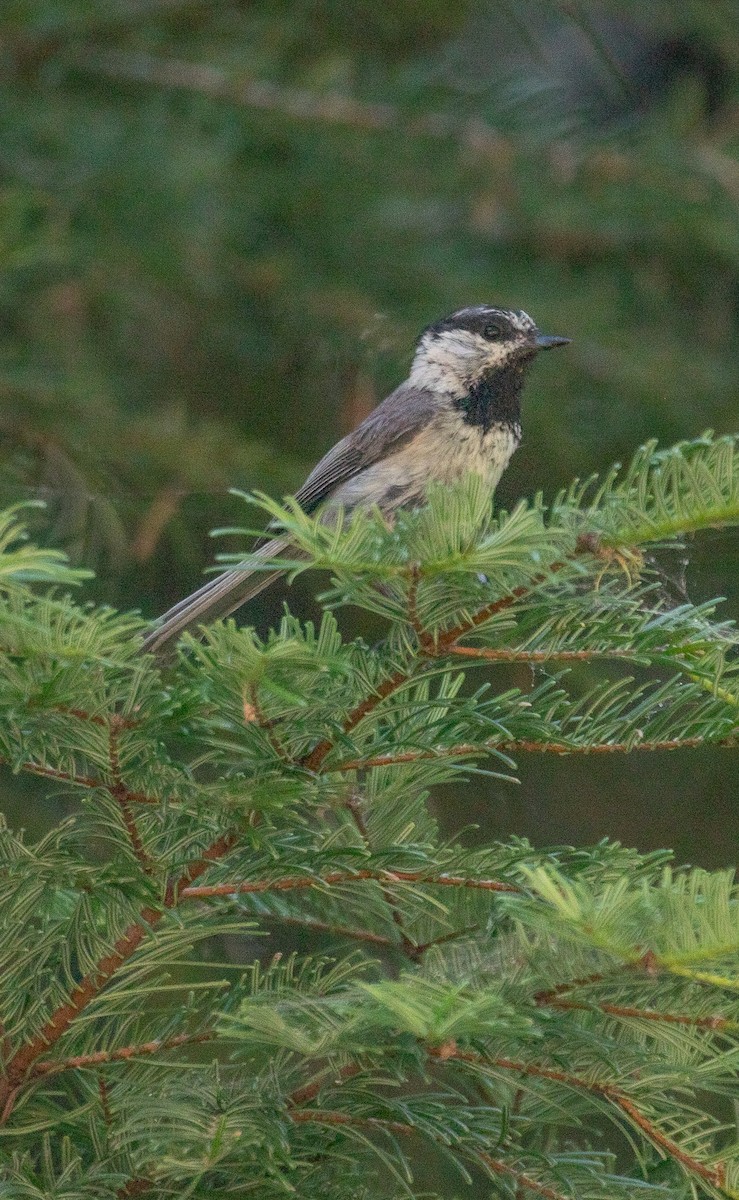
column 223, row 223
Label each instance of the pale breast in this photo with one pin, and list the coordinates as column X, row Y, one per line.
column 444, row 452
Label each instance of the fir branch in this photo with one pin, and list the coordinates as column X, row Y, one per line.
column 253, row 711
column 119, row 792
column 688, row 743
column 314, row 760
column 715, row 1175
column 429, row 647
column 445, row 641
column 443, row 938
column 409, row 756
column 105, row 1100
column 503, row 654
column 635, row 1047
column 95, row 718
column 334, row 878
column 309, row 1091
column 434, row 646
column 354, row 806
column 16, row 1068
column 627, row 1012
column 77, row 1062
column 315, row 926
column 567, row 985
column 22, row 563
column 90, row 782
column 32, row 768
column 712, row 978
column 322, row 1116
column 524, row 1182
column 502, row 746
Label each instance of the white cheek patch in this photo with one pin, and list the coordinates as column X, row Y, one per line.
column 448, row 362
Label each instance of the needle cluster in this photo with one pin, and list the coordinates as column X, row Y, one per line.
column 246, row 963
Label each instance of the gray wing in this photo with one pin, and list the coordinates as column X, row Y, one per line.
column 388, row 428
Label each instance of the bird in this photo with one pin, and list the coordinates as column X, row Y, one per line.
column 458, row 412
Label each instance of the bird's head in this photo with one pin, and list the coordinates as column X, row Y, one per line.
column 454, row 354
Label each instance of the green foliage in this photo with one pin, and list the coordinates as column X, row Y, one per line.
column 196, row 195
column 22, row 564
column 493, row 1020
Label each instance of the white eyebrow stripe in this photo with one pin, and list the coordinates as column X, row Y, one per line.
column 519, row 320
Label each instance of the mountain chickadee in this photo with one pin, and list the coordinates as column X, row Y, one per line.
column 459, row 411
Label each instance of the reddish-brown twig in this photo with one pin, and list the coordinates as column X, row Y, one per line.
column 122, row 1054
column 715, row 1175
column 286, row 883
column 119, row 792
column 406, row 944
column 322, row 1116
column 89, row 987
column 627, row 1012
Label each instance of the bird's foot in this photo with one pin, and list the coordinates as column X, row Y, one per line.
column 628, row 559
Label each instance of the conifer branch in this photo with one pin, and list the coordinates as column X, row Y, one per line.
column 119, row 792
column 590, row 909
column 322, row 1116
column 502, row 654
column 303, row 1095
column 253, row 712
column 583, row 981
column 89, row 987
column 524, row 1183
column 81, row 996
column 716, row 1023
column 314, row 760
column 105, row 1100
column 95, row 718
column 85, row 781
column 354, row 806
column 714, row 1175
column 77, row 1062
column 688, row 743
column 429, row 647
column 409, row 756
column 452, row 936
column 446, row 641
column 90, row 782
column 527, row 746
column 450, row 1052
column 412, row 603
column 432, row 647
column 334, row 878
column 312, row 925
column 711, row 978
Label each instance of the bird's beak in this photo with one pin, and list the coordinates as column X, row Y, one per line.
column 545, row 342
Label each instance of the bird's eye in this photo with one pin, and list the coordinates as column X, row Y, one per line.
column 493, row 331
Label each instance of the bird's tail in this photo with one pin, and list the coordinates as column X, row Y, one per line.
column 217, row 598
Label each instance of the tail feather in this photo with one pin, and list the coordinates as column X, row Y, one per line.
column 217, row 598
